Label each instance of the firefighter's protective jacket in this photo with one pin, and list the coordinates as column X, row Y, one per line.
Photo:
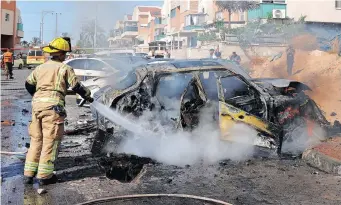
column 51, row 80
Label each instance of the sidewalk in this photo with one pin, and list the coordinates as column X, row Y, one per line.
column 325, row 156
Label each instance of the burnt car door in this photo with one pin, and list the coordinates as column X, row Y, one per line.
column 169, row 94
column 192, row 100
column 240, row 102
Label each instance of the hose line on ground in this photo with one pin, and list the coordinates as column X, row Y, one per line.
column 134, row 196
column 12, row 153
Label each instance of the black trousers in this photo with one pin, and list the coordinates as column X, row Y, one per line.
column 9, row 69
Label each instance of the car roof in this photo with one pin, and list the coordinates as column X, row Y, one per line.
column 193, row 65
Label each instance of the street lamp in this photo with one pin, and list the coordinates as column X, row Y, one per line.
column 43, row 14
column 56, row 34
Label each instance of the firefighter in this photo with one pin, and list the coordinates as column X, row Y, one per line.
column 48, row 85
column 9, row 61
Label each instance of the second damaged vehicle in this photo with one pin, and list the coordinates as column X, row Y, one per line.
column 179, row 90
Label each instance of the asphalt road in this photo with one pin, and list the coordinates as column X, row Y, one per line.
column 256, row 181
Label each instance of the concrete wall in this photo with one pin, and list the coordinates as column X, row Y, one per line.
column 7, row 27
column 226, row 50
column 317, row 11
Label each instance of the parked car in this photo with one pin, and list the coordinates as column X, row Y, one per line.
column 86, row 68
column 183, row 88
column 18, row 62
column 35, row 57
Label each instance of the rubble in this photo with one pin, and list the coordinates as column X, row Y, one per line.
column 8, row 122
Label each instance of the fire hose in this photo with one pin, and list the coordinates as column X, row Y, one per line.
column 134, row 196
column 12, row 153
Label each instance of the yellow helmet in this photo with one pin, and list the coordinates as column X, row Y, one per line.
column 57, row 45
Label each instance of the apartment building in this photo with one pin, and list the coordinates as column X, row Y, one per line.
column 326, row 11
column 11, row 25
column 145, row 16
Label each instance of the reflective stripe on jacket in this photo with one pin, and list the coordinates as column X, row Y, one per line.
column 8, row 57
column 52, row 80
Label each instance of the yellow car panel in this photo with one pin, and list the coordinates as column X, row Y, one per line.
column 229, row 116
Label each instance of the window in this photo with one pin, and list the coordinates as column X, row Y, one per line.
column 173, row 13
column 32, row 53
column 172, row 87
column 6, row 17
column 219, row 15
column 242, row 16
column 337, row 4
column 91, row 64
column 76, row 64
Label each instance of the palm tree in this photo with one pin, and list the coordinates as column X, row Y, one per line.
column 234, row 6
column 88, row 34
column 25, row 44
column 35, row 41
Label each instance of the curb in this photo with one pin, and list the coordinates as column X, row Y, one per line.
column 322, row 161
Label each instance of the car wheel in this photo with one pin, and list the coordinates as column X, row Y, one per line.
column 20, row 66
column 29, row 67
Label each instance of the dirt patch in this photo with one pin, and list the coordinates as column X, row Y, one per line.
column 331, row 148
column 321, row 71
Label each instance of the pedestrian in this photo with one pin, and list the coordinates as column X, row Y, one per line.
column 235, row 58
column 290, row 59
column 217, row 53
column 212, row 55
column 167, row 54
column 48, row 85
column 9, row 61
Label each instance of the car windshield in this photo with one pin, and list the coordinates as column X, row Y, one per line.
column 129, row 80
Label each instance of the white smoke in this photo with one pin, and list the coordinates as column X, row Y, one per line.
column 203, row 145
column 300, row 138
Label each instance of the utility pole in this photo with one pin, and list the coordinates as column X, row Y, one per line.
column 56, row 34
column 43, row 13
column 95, row 34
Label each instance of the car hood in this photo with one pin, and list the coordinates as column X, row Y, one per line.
column 280, row 82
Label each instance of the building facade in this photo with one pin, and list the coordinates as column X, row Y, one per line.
column 12, row 28
column 326, row 11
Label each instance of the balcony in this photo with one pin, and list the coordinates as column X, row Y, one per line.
column 193, row 27
column 20, row 30
column 159, row 37
column 129, row 32
column 195, row 22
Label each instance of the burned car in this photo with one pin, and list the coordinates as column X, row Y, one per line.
column 182, row 88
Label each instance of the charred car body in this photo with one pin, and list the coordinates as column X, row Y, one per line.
column 183, row 88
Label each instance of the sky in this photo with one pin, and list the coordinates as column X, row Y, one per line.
column 73, row 14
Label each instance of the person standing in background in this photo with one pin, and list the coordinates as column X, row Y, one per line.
column 235, row 58
column 212, row 55
column 290, row 59
column 217, row 53
column 9, row 61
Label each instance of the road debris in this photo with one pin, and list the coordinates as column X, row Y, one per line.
column 41, row 191
column 8, row 122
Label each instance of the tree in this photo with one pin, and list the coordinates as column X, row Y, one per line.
column 35, row 41
column 25, row 44
column 87, row 36
column 235, row 6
